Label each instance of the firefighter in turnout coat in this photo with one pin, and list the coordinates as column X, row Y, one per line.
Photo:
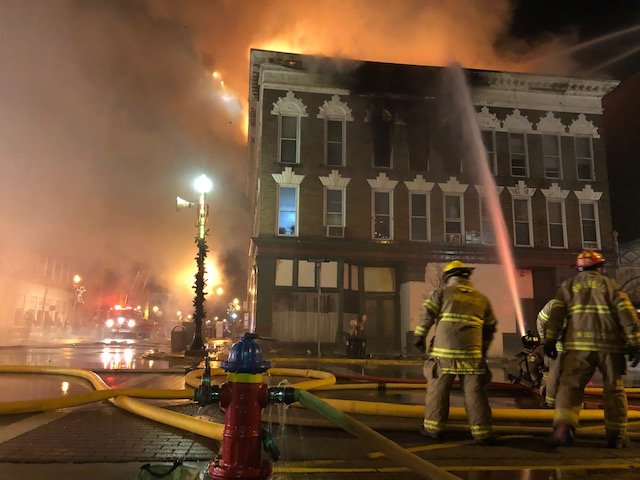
column 601, row 327
column 464, row 326
column 551, row 378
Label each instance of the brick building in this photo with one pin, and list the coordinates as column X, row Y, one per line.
column 366, row 180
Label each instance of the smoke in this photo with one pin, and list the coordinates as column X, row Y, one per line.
column 110, row 109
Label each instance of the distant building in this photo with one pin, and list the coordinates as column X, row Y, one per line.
column 35, row 288
column 365, row 185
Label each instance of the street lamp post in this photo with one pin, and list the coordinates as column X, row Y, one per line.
column 203, row 186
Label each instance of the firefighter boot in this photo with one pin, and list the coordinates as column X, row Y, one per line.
column 563, row 435
column 433, row 436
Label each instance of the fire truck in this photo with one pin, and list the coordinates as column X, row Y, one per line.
column 127, row 323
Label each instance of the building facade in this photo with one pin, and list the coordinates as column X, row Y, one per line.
column 368, row 177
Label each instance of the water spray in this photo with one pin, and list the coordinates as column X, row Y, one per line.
column 490, row 191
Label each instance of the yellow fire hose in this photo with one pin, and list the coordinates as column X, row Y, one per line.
column 123, row 398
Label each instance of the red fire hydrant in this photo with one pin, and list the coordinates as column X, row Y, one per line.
column 243, row 396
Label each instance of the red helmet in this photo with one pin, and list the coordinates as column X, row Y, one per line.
column 589, row 259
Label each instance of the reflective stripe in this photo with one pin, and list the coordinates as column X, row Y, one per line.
column 464, row 371
column 615, row 426
column 591, row 347
column 481, row 431
column 590, row 309
column 625, row 305
column 431, row 307
column 420, row 331
column 460, row 318
column 433, row 425
column 455, row 353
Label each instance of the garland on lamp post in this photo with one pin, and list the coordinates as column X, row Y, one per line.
column 199, row 286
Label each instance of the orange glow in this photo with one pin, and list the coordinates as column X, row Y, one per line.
column 185, row 277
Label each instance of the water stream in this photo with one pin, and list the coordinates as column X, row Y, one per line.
column 476, row 157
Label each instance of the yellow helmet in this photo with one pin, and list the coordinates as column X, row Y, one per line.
column 456, row 269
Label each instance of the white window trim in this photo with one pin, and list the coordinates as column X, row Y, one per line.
column 526, row 155
column 529, row 214
column 494, row 157
column 428, row 217
column 344, row 210
column 288, row 178
column 326, row 140
column 596, row 214
column 483, row 199
column 563, row 213
column 592, row 165
column 298, row 131
column 561, row 173
column 297, row 190
column 444, row 212
column 373, row 214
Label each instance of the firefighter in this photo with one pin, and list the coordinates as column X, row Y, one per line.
column 601, row 326
column 464, row 326
column 551, row 377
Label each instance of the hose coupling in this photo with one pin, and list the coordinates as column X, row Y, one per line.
column 206, row 394
column 281, row 395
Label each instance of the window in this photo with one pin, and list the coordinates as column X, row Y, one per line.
column 419, row 228
column 382, row 218
column 334, row 212
column 589, row 221
column 335, row 147
column 288, row 211
column 489, row 140
column 382, row 127
column 488, row 232
column 289, row 133
column 453, row 219
column 551, row 156
column 584, row 158
column 522, row 222
column 518, row 154
column 556, row 218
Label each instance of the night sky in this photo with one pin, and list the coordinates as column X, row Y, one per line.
column 109, row 109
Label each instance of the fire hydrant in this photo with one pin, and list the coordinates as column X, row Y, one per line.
column 243, row 396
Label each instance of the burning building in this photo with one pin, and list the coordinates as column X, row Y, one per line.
column 368, row 177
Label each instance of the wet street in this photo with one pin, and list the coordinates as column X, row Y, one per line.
column 61, row 443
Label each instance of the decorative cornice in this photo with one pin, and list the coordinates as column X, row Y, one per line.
column 453, row 186
column 588, row 194
column 335, row 108
column 555, row 192
column 521, row 190
column 487, row 120
column 516, row 122
column 419, row 184
column 334, row 179
column 382, row 182
column 287, row 177
column 289, row 105
column 551, row 124
column 582, row 126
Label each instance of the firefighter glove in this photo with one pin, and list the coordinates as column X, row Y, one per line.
column 634, row 356
column 421, row 344
column 550, row 349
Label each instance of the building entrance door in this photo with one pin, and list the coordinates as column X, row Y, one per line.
column 381, row 331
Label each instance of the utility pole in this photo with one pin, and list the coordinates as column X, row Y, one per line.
column 318, row 265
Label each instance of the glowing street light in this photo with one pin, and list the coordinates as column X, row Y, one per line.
column 202, row 185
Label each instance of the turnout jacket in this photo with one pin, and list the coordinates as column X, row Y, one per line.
column 599, row 316
column 543, row 319
column 464, row 327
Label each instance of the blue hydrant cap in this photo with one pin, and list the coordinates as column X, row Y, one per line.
column 245, row 356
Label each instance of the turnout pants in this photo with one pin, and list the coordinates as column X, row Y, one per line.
column 476, row 401
column 552, row 379
column 577, row 368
